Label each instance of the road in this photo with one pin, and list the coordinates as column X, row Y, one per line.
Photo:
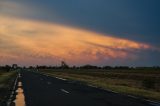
column 41, row 90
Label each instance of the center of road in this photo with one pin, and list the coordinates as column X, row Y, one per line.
column 20, row 98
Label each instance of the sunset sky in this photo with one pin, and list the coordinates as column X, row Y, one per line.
column 97, row 32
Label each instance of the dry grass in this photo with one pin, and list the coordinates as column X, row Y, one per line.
column 6, row 79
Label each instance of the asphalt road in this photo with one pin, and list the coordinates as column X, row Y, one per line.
column 41, row 90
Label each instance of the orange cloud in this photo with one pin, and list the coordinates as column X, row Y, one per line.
column 29, row 41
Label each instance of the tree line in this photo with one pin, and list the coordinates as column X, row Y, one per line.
column 64, row 65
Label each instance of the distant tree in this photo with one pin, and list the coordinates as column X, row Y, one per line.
column 14, row 66
column 107, row 67
column 149, row 68
column 89, row 67
column 7, row 68
column 74, row 67
column 24, row 67
column 64, row 65
column 31, row 67
column 45, row 67
column 121, row 67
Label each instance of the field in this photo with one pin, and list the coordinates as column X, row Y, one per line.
column 141, row 83
column 6, row 81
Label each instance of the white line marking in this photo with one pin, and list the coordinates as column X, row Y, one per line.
column 19, row 75
column 114, row 92
column 103, row 89
column 153, row 103
column 20, row 98
column 12, row 93
column 64, row 91
column 132, row 96
column 10, row 98
column 60, row 78
column 53, row 76
column 92, row 86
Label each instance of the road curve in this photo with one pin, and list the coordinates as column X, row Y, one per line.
column 41, row 90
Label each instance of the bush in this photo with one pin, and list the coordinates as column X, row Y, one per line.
column 148, row 83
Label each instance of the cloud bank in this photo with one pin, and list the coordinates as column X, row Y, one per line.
column 28, row 42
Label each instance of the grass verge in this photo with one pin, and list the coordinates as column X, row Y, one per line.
column 6, row 81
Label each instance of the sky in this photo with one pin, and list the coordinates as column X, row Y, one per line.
column 96, row 32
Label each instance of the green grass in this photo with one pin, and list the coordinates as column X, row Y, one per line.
column 142, row 83
column 6, row 80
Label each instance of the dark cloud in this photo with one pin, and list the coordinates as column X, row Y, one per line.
column 127, row 50
column 137, row 20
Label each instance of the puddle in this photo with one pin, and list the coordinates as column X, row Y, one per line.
column 20, row 98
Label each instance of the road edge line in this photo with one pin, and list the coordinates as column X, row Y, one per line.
column 9, row 101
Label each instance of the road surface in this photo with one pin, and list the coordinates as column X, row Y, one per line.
column 41, row 90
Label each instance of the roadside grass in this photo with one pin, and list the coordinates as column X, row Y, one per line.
column 6, row 80
column 141, row 83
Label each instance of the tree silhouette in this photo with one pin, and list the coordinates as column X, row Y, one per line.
column 64, row 65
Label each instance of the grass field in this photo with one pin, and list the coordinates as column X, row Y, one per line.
column 142, row 83
column 6, row 80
